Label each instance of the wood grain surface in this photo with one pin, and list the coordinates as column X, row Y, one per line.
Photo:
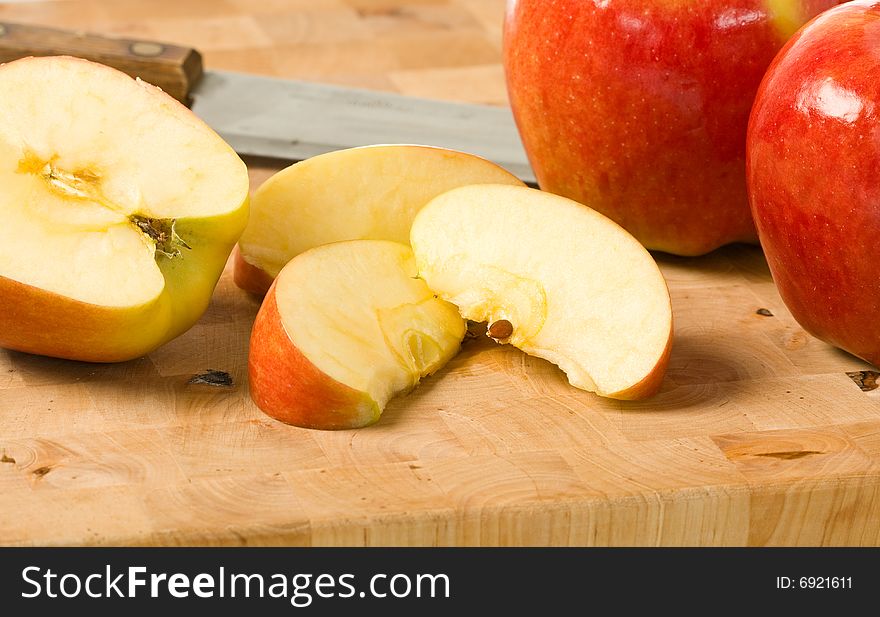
column 758, row 437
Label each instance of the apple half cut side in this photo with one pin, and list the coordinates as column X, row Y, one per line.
column 366, row 193
column 344, row 328
column 119, row 207
column 555, row 279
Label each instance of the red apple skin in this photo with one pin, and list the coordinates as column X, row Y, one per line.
column 639, row 108
column 249, row 277
column 814, row 176
column 289, row 387
column 37, row 321
column 650, row 385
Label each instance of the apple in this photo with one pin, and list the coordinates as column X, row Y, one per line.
column 344, row 328
column 813, row 161
column 371, row 192
column 639, row 108
column 554, row 278
column 120, row 208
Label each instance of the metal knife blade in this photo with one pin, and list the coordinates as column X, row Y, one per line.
column 296, row 120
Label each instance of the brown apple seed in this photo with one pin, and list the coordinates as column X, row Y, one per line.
column 500, row 330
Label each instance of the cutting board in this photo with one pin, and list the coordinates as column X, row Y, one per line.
column 761, row 434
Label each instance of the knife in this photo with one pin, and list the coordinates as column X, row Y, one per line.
column 285, row 119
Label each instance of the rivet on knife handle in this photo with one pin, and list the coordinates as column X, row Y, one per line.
column 173, row 68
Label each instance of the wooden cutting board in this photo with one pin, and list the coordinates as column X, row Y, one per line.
column 758, row 437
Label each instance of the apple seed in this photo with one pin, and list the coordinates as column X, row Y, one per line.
column 500, row 330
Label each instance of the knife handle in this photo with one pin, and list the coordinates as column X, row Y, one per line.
column 174, row 69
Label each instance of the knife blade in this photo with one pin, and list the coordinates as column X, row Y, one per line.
column 286, row 119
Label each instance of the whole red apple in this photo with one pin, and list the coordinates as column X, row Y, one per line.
column 639, row 108
column 814, row 176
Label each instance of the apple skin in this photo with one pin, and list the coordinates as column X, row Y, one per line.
column 37, row 321
column 650, row 385
column 813, row 169
column 248, row 277
column 289, row 387
column 639, row 108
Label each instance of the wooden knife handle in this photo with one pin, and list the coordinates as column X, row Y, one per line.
column 174, row 69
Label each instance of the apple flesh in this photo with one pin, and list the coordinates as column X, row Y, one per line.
column 813, row 160
column 119, row 210
column 553, row 278
column 372, row 192
column 343, row 329
column 639, row 108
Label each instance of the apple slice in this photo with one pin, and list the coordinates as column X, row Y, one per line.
column 119, row 210
column 553, row 278
column 372, row 192
column 345, row 327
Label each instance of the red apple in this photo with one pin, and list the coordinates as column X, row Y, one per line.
column 344, row 328
column 814, row 176
column 639, row 108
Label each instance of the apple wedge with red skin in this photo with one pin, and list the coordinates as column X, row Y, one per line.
column 119, row 209
column 366, row 193
column 554, row 278
column 814, row 176
column 344, row 328
column 639, row 108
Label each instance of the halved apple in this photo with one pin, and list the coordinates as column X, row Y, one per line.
column 553, row 278
column 119, row 210
column 372, row 192
column 345, row 327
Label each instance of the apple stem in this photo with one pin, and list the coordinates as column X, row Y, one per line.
column 163, row 233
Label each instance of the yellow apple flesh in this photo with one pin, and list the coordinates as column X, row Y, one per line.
column 556, row 279
column 119, row 208
column 372, row 192
column 343, row 329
